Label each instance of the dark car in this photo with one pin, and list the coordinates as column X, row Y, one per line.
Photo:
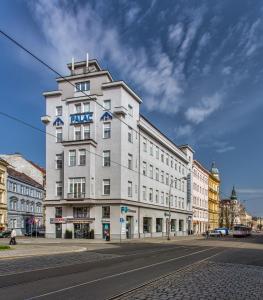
column 5, row 234
column 34, row 233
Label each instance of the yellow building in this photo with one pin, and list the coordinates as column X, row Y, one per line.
column 3, row 197
column 213, row 198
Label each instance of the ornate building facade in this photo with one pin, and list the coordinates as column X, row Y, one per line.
column 213, row 198
column 3, row 197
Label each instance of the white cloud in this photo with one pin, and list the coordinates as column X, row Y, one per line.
column 175, row 34
column 227, row 70
column 197, row 114
column 250, row 191
column 131, row 14
column 75, row 32
column 183, row 131
column 225, row 149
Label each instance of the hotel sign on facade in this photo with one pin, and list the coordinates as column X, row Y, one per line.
column 81, row 118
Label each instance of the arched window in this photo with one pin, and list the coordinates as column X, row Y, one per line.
column 13, row 203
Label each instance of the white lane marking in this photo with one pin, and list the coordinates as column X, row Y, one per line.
column 116, row 275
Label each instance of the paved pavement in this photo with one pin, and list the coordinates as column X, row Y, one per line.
column 190, row 269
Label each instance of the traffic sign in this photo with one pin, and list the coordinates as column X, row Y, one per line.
column 124, row 209
column 122, row 220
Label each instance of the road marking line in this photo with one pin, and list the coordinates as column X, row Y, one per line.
column 162, row 277
column 116, row 275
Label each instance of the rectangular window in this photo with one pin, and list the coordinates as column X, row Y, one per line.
column 129, row 189
column 106, row 158
column 59, row 135
column 106, row 130
column 58, row 161
column 82, row 157
column 151, row 149
column 172, row 162
column 58, row 188
column 144, row 193
column 151, row 171
column 162, row 176
column 58, row 212
column 82, row 86
column 129, row 161
column 107, row 104
column 144, row 168
column 157, row 152
column 162, row 156
column 167, row 159
column 167, row 179
column 78, row 108
column 72, row 158
column 157, row 174
column 130, row 110
column 106, row 212
column 144, row 145
column 86, row 107
column 159, row 225
column 86, row 132
column 59, row 111
column 162, row 197
column 130, row 134
column 106, row 187
column 77, row 187
column 157, row 196
column 150, row 194
column 80, row 212
column 77, row 133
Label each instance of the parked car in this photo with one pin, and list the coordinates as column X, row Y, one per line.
column 215, row 233
column 5, row 234
column 34, row 233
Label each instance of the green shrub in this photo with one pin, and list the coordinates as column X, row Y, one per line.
column 4, row 247
column 68, row 234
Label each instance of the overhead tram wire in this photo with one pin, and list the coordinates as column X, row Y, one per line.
column 68, row 81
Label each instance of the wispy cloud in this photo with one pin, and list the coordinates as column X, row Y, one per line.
column 225, row 149
column 207, row 105
column 183, row 131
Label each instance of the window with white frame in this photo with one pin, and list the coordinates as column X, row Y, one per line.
column 162, row 197
column 72, row 158
column 157, row 152
column 32, row 207
column 86, row 107
column 151, row 148
column 167, row 159
column 150, row 194
column 78, row 108
column 162, row 156
column 82, row 157
column 106, row 158
column 77, row 133
column 129, row 189
column 59, row 188
column 77, row 187
column 59, row 136
column 157, row 174
column 162, row 176
column 59, row 111
column 157, row 196
column 106, row 130
column 144, row 145
column 144, row 193
column 144, row 168
column 106, row 186
column 167, row 179
column 151, row 171
column 130, row 134
column 82, row 86
column 107, row 104
column 130, row 110
column 129, row 161
column 86, row 131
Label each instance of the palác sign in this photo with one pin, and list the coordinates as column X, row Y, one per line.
column 82, row 118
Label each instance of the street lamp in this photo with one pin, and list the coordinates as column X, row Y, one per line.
column 169, row 207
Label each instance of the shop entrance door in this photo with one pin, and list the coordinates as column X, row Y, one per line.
column 81, row 230
column 59, row 231
column 129, row 226
column 105, row 230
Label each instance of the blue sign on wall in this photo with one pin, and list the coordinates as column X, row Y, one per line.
column 106, row 116
column 58, row 122
column 81, row 118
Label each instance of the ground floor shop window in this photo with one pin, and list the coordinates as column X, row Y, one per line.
column 147, row 225
column 159, row 225
column 81, row 231
column 181, row 225
column 173, row 225
column 105, row 231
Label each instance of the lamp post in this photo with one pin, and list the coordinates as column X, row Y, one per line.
column 169, row 207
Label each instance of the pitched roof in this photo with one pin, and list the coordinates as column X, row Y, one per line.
column 43, row 170
column 23, row 178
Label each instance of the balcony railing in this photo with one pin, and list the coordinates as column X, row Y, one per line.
column 76, row 195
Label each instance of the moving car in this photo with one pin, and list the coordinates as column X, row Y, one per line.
column 5, row 234
column 223, row 230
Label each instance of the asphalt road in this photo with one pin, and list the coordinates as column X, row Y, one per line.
column 129, row 266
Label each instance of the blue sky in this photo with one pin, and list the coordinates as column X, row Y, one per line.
column 196, row 64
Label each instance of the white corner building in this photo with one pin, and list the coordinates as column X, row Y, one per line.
column 200, row 198
column 110, row 172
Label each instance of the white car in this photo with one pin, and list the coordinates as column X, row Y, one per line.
column 215, row 233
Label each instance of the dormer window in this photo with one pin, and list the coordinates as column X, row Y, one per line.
column 82, row 86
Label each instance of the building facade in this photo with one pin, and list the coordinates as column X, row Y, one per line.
column 3, row 196
column 200, row 198
column 213, row 198
column 109, row 170
column 25, row 202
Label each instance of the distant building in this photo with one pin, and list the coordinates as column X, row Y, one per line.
column 200, row 198
column 3, row 197
column 213, row 198
column 25, row 202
